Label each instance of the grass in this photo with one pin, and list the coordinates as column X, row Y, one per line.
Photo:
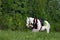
column 28, row 35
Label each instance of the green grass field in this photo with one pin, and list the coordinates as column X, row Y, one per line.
column 28, row 35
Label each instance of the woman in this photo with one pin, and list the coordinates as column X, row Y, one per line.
column 35, row 23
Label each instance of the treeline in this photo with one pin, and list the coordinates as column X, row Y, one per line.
column 13, row 13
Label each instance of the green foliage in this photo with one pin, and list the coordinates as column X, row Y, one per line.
column 13, row 13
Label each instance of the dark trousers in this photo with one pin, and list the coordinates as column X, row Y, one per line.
column 35, row 26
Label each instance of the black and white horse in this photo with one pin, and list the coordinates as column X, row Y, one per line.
column 46, row 26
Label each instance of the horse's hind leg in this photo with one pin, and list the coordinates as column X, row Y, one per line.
column 47, row 29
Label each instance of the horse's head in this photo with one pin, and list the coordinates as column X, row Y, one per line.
column 29, row 22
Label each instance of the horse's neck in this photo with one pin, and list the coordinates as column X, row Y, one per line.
column 31, row 20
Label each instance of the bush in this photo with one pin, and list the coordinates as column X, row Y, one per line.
column 13, row 13
column 57, row 27
column 12, row 22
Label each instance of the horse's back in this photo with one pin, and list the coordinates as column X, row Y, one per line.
column 46, row 22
